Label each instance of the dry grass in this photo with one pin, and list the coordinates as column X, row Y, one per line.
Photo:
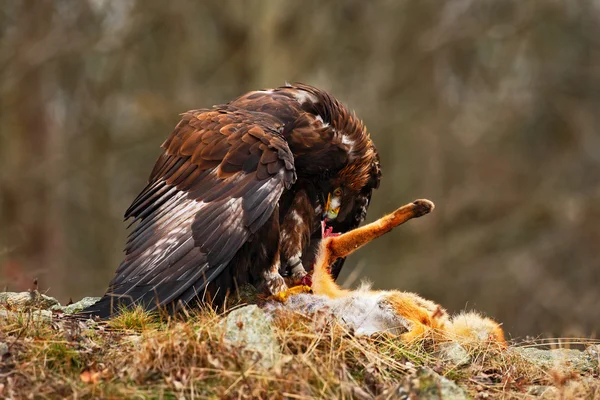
column 141, row 356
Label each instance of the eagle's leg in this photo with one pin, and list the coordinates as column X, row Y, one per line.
column 273, row 280
column 296, row 228
column 269, row 255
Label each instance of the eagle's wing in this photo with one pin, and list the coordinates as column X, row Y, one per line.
column 216, row 183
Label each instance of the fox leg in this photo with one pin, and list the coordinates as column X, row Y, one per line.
column 347, row 243
column 340, row 246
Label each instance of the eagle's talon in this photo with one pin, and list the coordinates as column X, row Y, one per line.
column 274, row 283
column 285, row 294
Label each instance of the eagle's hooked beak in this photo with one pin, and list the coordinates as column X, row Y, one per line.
column 332, row 208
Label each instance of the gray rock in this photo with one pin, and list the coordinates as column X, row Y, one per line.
column 35, row 315
column 3, row 349
column 542, row 391
column 76, row 307
column 430, row 385
column 250, row 328
column 42, row 315
column 33, row 299
column 593, row 352
column 558, row 358
column 454, row 353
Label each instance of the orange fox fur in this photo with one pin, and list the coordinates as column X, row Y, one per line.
column 389, row 310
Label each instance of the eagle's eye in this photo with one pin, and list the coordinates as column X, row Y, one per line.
column 332, row 208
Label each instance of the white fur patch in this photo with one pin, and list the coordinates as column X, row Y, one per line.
column 362, row 311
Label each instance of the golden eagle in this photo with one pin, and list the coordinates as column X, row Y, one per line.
column 238, row 196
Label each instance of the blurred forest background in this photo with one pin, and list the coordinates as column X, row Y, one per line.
column 490, row 108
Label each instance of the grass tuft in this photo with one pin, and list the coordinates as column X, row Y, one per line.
column 135, row 319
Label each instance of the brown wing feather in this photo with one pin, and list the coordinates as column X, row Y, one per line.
column 217, row 182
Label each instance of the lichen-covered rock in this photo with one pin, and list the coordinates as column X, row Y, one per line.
column 542, row 391
column 35, row 315
column 76, row 307
column 33, row 299
column 453, row 353
column 584, row 387
column 429, row 385
column 250, row 328
column 14, row 302
column 566, row 359
column 593, row 352
column 3, row 349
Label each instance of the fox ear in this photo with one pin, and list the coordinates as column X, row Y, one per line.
column 471, row 327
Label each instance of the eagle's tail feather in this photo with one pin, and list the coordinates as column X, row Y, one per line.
column 168, row 296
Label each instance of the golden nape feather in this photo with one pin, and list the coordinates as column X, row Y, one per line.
column 367, row 311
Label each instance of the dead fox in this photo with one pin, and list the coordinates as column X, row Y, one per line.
column 368, row 311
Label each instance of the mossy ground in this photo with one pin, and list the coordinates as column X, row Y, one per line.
column 139, row 355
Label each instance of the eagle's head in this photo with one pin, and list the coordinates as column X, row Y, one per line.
column 348, row 193
column 351, row 162
column 331, row 146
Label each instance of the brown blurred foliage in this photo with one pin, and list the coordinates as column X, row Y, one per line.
column 490, row 108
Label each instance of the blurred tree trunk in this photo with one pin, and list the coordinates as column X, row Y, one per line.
column 30, row 207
